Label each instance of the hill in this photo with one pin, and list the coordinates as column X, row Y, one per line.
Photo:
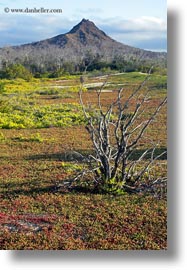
column 83, row 42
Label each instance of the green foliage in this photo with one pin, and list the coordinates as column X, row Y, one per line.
column 33, row 138
column 2, row 137
column 71, row 167
column 75, row 89
column 14, row 71
column 2, row 87
column 112, row 186
column 58, row 73
column 48, row 92
column 159, row 71
column 18, row 113
column 19, row 108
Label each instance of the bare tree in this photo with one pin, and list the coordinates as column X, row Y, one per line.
column 116, row 131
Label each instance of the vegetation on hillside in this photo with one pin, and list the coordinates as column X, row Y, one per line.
column 52, row 70
column 85, row 46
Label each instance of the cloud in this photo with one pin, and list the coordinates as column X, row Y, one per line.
column 142, row 24
column 143, row 32
column 88, row 12
column 19, row 29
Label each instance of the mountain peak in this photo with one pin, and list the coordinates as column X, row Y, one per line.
column 85, row 26
column 84, row 20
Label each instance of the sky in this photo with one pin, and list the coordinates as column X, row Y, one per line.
column 138, row 23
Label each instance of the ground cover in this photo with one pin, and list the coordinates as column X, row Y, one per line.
column 37, row 156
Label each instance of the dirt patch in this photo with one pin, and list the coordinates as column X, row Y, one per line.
column 26, row 223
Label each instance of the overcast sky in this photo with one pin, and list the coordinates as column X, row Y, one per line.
column 139, row 23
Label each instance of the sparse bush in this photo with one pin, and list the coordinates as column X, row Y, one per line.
column 116, row 133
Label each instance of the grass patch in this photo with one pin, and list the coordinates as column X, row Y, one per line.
column 19, row 113
column 33, row 138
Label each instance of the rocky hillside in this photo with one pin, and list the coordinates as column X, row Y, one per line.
column 82, row 40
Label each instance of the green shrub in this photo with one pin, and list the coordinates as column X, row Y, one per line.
column 48, row 92
column 2, row 87
column 14, row 71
